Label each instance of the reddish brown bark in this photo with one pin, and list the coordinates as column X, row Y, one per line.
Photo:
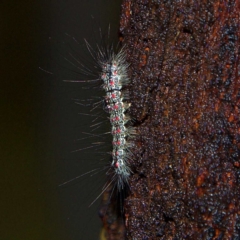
column 185, row 96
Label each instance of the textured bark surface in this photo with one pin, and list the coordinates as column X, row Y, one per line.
column 185, row 96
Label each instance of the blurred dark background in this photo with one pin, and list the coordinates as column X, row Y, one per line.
column 40, row 121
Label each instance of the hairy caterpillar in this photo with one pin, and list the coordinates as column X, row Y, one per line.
column 112, row 80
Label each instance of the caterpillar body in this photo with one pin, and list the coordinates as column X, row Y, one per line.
column 114, row 82
column 114, row 77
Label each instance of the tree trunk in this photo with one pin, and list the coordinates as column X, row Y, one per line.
column 185, row 97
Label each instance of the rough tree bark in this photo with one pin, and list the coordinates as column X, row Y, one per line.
column 185, row 96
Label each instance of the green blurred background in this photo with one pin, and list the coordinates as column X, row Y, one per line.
column 39, row 120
